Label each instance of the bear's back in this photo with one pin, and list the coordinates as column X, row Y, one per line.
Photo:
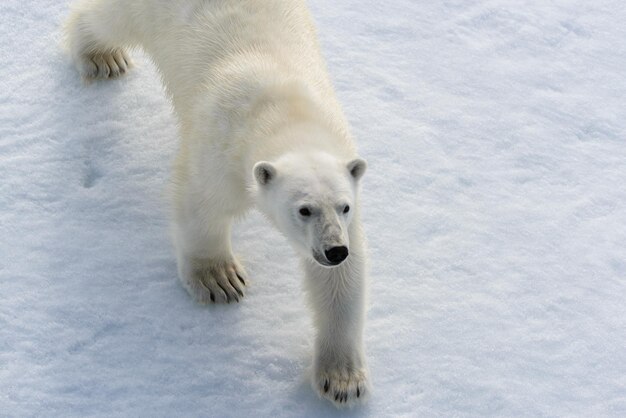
column 192, row 41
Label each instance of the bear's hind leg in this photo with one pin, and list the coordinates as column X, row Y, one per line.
column 97, row 35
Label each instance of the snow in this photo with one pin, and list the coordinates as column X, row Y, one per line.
column 494, row 206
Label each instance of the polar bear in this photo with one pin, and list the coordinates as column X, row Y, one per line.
column 260, row 125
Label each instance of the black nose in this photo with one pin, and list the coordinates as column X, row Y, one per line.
column 336, row 254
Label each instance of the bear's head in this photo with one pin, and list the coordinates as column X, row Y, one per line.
column 311, row 198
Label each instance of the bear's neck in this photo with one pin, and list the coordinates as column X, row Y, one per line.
column 288, row 118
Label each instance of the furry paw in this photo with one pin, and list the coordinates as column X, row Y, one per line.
column 342, row 385
column 93, row 57
column 212, row 281
column 103, row 65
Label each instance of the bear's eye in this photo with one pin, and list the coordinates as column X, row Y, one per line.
column 305, row 212
column 346, row 209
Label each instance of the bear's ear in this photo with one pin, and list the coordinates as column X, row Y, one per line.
column 264, row 172
column 357, row 168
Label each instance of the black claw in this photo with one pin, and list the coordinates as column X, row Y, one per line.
column 326, row 384
column 358, row 392
column 225, row 293
column 212, row 297
column 241, row 279
column 240, row 292
column 336, row 396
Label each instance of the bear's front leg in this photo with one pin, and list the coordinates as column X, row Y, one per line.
column 338, row 300
column 206, row 267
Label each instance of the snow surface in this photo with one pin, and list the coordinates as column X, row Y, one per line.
column 495, row 206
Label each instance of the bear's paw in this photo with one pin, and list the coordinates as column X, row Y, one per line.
column 342, row 386
column 216, row 281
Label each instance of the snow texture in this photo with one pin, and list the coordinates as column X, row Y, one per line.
column 494, row 203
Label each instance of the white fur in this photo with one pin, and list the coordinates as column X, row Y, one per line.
column 260, row 124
